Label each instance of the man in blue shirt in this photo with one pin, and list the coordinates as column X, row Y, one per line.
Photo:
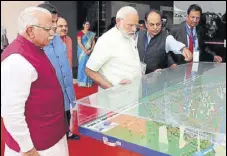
column 57, row 53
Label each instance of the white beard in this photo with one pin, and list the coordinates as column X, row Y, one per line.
column 127, row 35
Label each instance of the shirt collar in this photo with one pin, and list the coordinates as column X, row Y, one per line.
column 63, row 38
column 51, row 41
column 118, row 31
column 29, row 43
column 189, row 28
column 149, row 37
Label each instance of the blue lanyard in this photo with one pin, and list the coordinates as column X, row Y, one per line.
column 145, row 48
column 189, row 33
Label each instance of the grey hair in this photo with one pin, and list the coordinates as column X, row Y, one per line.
column 27, row 18
column 124, row 11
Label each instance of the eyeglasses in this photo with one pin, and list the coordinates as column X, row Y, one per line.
column 46, row 29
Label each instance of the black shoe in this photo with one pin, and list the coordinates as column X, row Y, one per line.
column 73, row 137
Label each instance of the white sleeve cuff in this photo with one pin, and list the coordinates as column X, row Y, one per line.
column 20, row 133
column 26, row 144
column 93, row 65
column 173, row 45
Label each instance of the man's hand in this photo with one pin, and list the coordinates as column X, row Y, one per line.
column 98, row 78
column 173, row 65
column 187, row 54
column 157, row 70
column 217, row 59
column 32, row 152
column 125, row 81
column 73, row 109
column 89, row 52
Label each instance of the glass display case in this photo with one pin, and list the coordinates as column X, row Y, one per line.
column 178, row 111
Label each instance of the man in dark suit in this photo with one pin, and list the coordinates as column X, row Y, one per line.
column 192, row 35
column 154, row 44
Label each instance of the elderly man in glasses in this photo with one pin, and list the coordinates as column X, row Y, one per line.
column 56, row 51
column 32, row 105
column 154, row 44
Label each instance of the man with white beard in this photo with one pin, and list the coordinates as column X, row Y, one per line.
column 115, row 59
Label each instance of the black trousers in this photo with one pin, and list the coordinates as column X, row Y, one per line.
column 68, row 116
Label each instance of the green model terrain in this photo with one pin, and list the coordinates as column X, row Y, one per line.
column 205, row 110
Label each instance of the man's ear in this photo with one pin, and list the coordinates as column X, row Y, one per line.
column 30, row 32
column 146, row 24
column 186, row 17
column 118, row 20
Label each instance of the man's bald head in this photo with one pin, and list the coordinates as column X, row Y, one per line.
column 62, row 27
column 153, row 22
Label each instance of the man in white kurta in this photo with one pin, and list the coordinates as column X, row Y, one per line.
column 115, row 58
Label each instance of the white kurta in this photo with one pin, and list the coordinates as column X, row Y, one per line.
column 17, row 75
column 115, row 57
